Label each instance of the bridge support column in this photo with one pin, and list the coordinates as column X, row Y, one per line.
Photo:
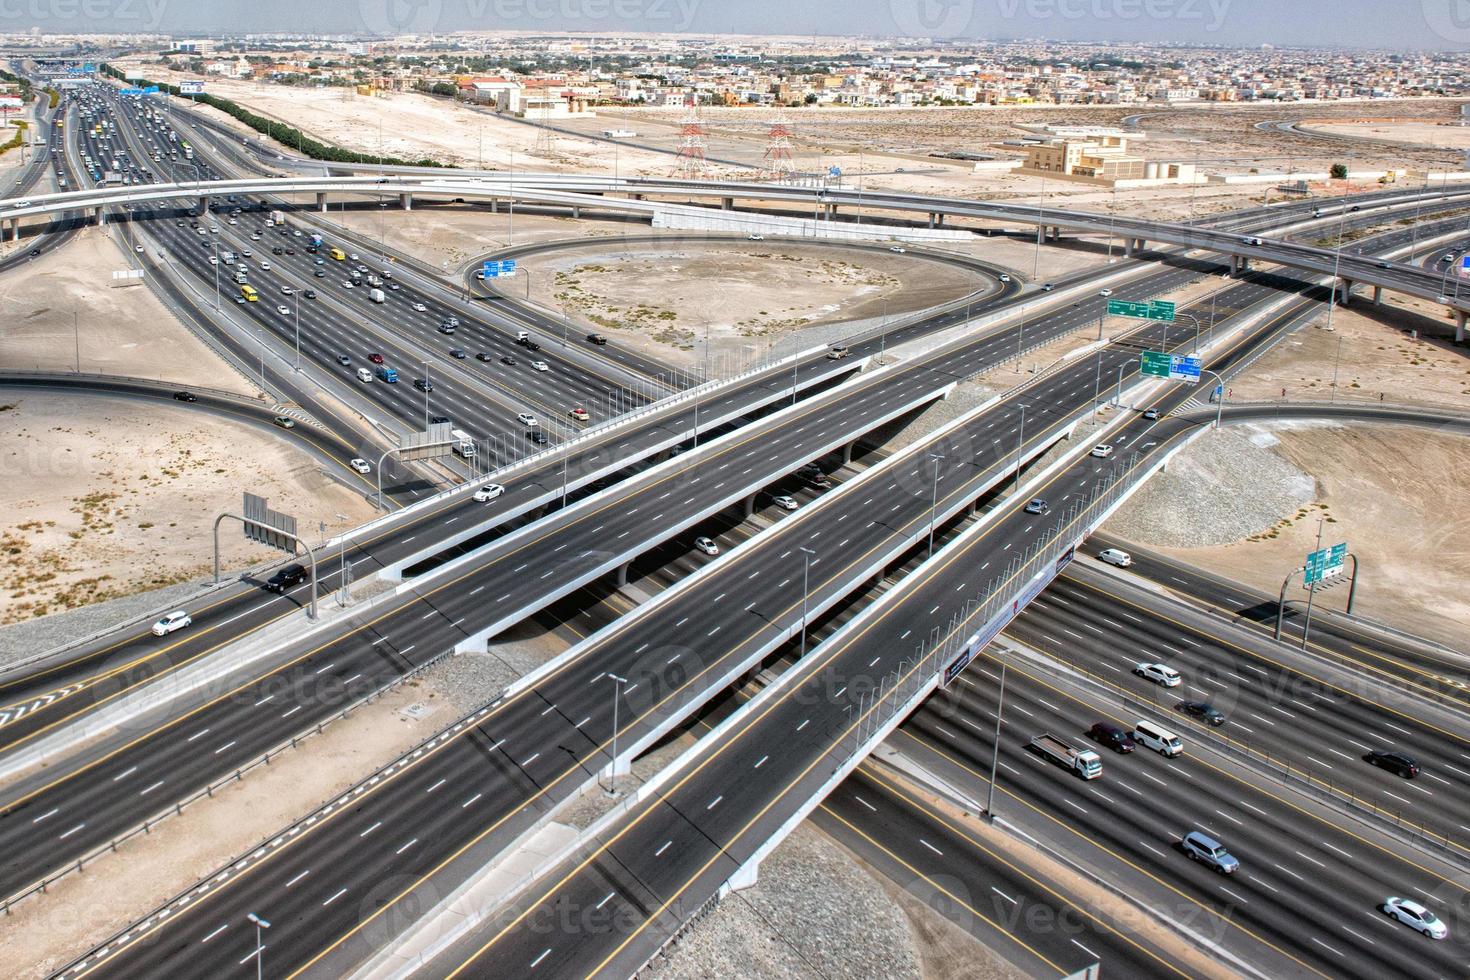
column 203, row 205
column 747, row 507
column 745, row 877
column 14, row 229
column 1347, row 291
column 932, row 216
column 494, row 206
column 1128, row 251
column 1040, row 234
column 405, row 201
column 1459, row 327
column 727, row 204
column 321, row 202
column 973, row 507
column 97, row 215
column 621, row 575
column 1377, row 295
column 576, row 211
column 847, row 453
column 831, row 211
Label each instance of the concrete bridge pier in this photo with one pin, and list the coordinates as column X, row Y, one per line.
column 321, row 201
column 1377, row 295
column 621, row 575
column 1347, row 291
column 727, row 204
column 203, row 205
column 405, row 201
column 831, row 211
column 14, row 229
column 747, row 507
column 1459, row 327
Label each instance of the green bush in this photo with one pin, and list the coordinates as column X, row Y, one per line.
column 16, row 140
column 289, row 135
column 1338, row 171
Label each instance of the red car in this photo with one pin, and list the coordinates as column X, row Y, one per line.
column 376, row 358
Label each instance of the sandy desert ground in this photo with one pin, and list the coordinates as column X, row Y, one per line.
column 61, row 310
column 105, row 497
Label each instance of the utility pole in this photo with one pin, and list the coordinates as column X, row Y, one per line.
column 618, row 683
column 934, row 500
column 1020, row 443
column 995, row 748
column 1312, row 589
column 806, row 566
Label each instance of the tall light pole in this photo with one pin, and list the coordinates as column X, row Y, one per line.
column 296, row 296
column 933, row 500
column 1020, row 444
column 214, row 247
column 427, row 386
column 995, row 748
column 259, row 949
column 1312, row 590
column 806, row 567
column 618, row 682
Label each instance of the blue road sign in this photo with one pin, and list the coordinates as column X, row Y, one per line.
column 834, row 171
column 498, row 268
column 129, row 91
column 1184, row 369
column 1465, row 261
column 151, row 90
column 89, row 68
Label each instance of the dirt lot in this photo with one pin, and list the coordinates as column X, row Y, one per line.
column 739, row 294
column 62, row 308
column 1373, row 353
column 1383, row 490
column 448, row 237
column 104, row 497
column 1419, row 132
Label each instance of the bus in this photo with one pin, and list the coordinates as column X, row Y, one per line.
column 249, row 293
column 339, row 255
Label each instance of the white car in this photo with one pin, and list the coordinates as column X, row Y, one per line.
column 284, row 310
column 1114, row 556
column 707, row 546
column 1105, row 293
column 420, row 307
column 488, row 492
column 265, row 267
column 361, row 465
column 1038, row 506
column 286, row 290
column 897, row 248
column 756, row 238
column 1415, row 916
column 353, row 256
column 1102, row 451
column 526, row 419
column 1159, row 674
column 785, row 501
column 540, row 366
column 137, row 248
column 175, row 620
column 1004, row 277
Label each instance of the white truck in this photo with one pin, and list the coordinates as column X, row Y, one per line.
column 277, row 218
column 1084, row 763
column 377, row 296
column 464, row 446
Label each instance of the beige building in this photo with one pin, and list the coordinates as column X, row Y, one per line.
column 1102, row 158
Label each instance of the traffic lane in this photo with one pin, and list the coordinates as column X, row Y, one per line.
column 1299, row 870
column 1373, row 652
column 579, row 699
column 1320, row 730
column 450, row 608
column 975, row 887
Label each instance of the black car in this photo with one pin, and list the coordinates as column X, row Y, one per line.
column 286, row 578
column 311, row 294
column 483, row 356
column 185, row 396
column 290, row 251
column 438, row 419
column 456, row 353
column 423, row 384
column 277, row 250
column 1115, row 738
column 507, row 359
column 320, row 274
column 597, row 339
column 1202, row 710
column 1395, row 762
column 531, row 345
column 538, row 437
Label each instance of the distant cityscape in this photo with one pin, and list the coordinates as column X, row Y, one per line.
column 667, row 70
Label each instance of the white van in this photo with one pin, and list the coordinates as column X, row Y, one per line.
column 365, row 376
column 1160, row 739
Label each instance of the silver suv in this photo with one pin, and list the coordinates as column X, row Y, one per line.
column 1210, row 852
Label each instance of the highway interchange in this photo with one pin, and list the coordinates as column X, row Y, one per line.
column 525, row 755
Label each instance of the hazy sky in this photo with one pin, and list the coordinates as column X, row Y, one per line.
column 1358, row 23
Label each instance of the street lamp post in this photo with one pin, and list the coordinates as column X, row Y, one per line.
column 259, row 949
column 934, row 499
column 296, row 295
column 806, row 567
column 426, row 394
column 618, row 682
column 995, row 748
column 1020, row 444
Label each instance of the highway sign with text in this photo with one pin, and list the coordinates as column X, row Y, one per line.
column 1156, row 364
column 1153, row 310
column 502, row 267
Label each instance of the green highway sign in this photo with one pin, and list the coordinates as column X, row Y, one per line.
column 1119, row 307
column 1324, row 563
column 1153, row 310
column 1155, row 364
